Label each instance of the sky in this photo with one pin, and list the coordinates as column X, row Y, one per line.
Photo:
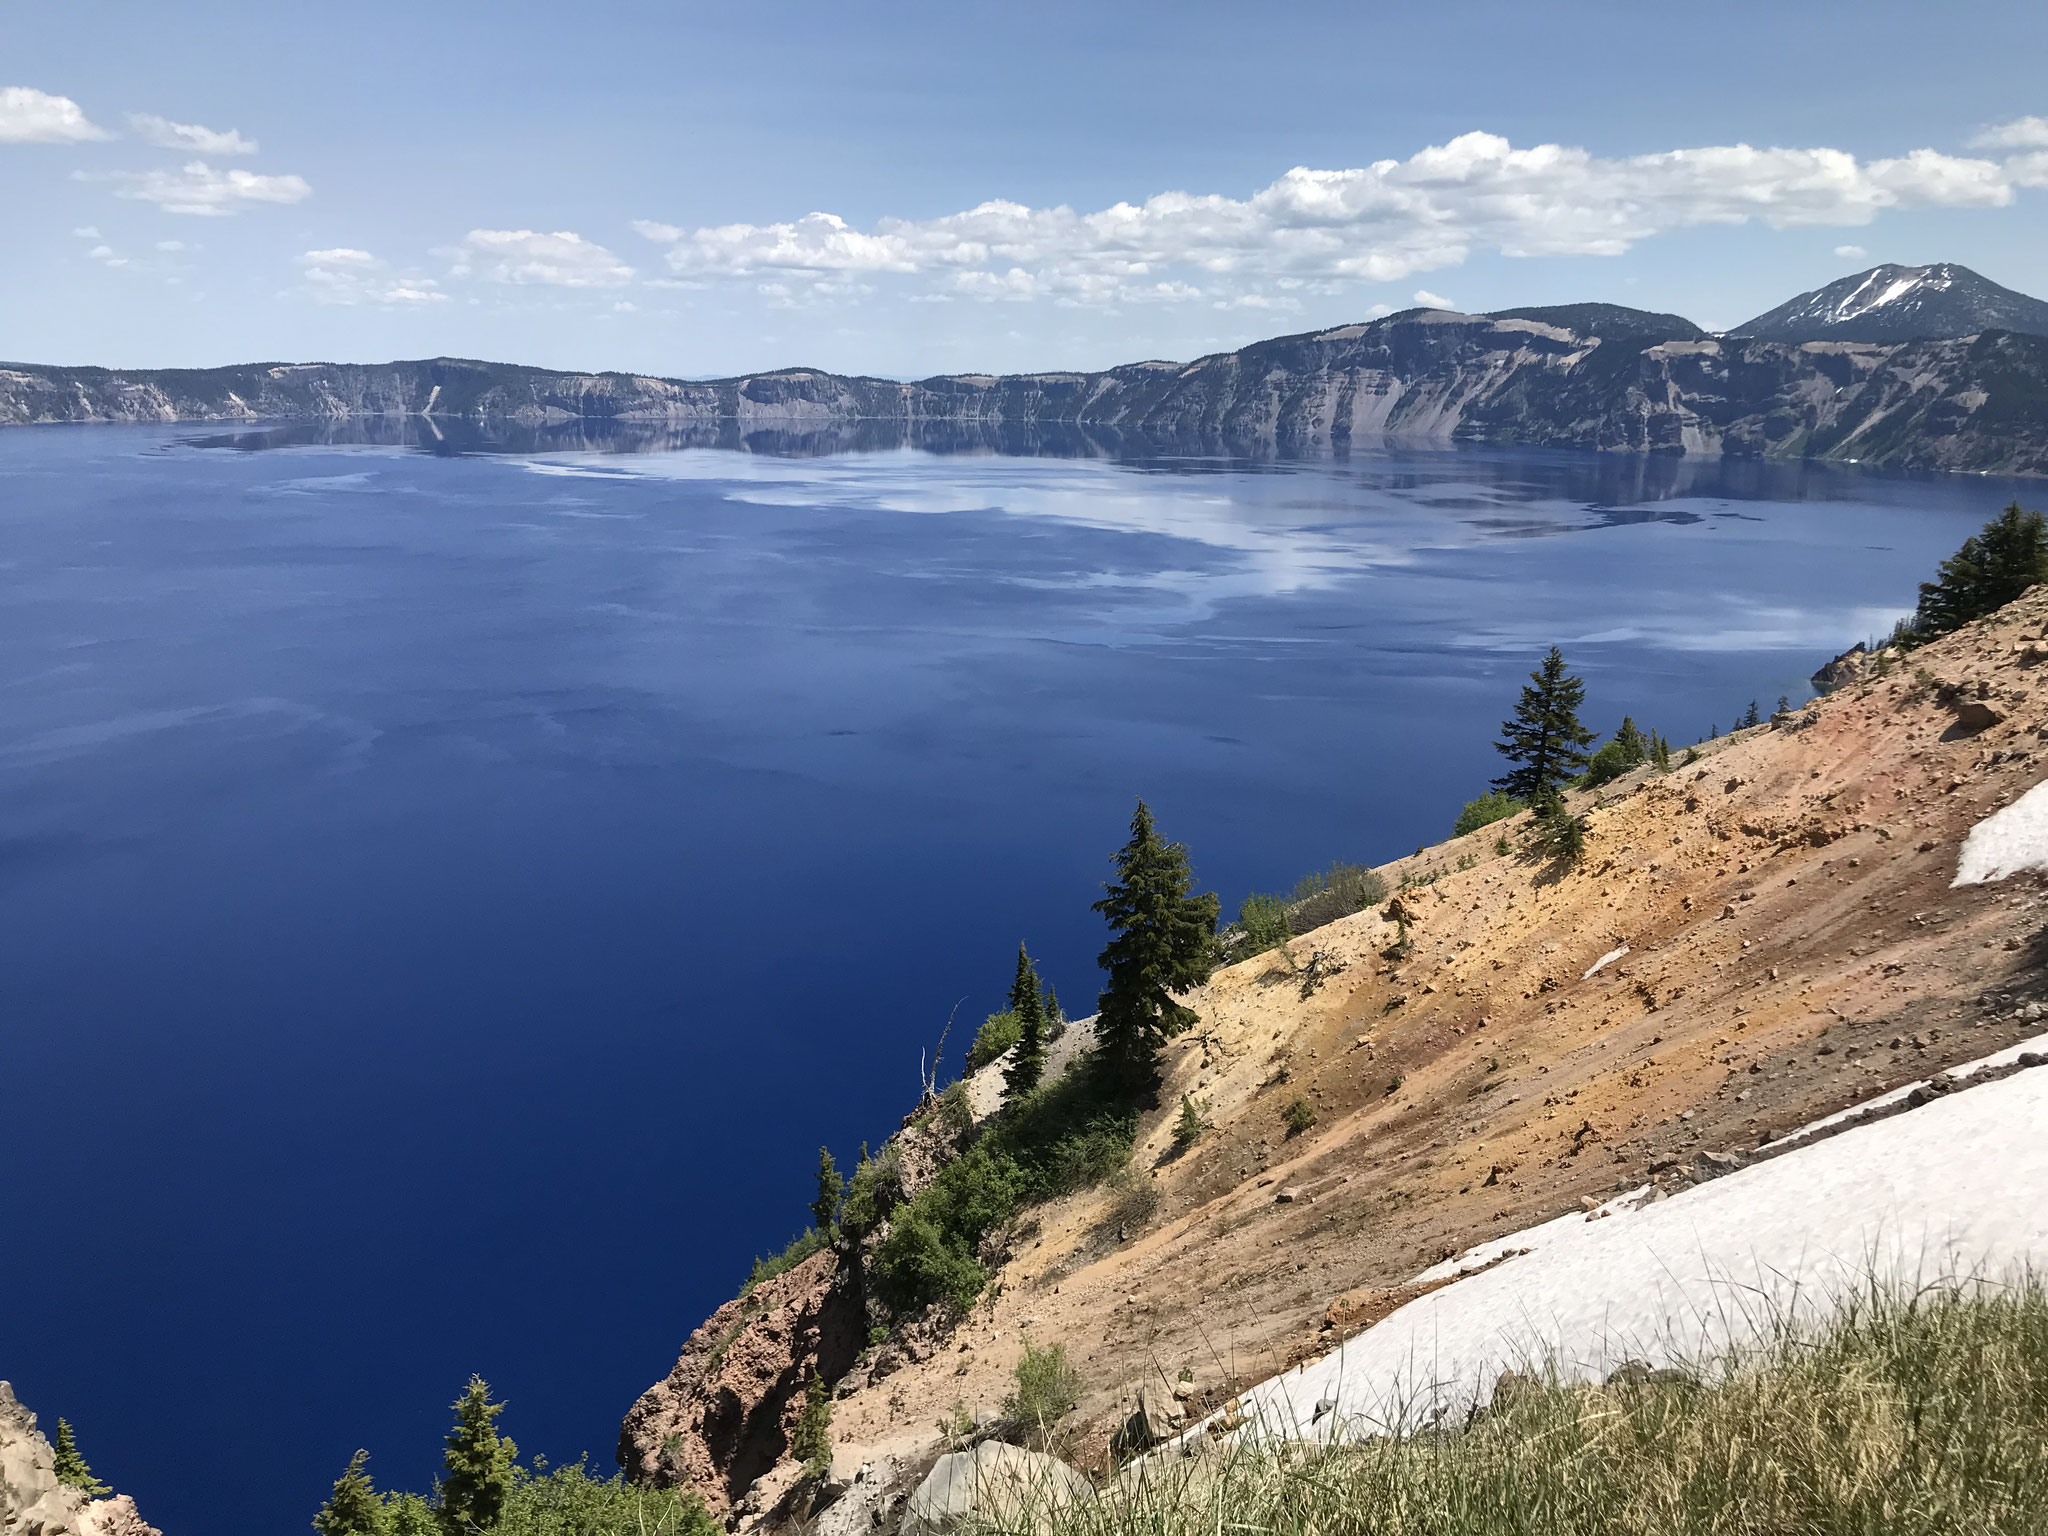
column 695, row 190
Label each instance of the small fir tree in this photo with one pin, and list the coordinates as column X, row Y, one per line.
column 1994, row 566
column 1558, row 832
column 831, row 1190
column 71, row 1468
column 1750, row 717
column 1188, row 1129
column 811, row 1442
column 478, row 1461
column 1027, row 1057
column 353, row 1509
column 1544, row 737
column 1163, row 944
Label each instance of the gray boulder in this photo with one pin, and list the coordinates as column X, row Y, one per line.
column 993, row 1484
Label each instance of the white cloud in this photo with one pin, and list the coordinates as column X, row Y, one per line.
column 561, row 259
column 1379, row 223
column 2020, row 133
column 1430, row 300
column 1852, row 252
column 192, row 138
column 29, row 116
column 344, row 275
column 87, row 232
column 198, row 188
column 172, row 245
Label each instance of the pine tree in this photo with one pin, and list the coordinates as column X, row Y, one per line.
column 1164, row 943
column 1027, row 1056
column 811, row 1443
column 1784, row 705
column 1994, row 566
column 71, row 1468
column 1749, row 718
column 1545, row 736
column 831, row 1190
column 353, row 1509
column 478, row 1461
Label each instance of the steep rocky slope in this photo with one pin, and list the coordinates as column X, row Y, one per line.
column 1761, row 937
column 1585, row 376
column 34, row 1503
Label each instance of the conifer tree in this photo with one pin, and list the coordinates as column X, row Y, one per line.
column 71, row 1468
column 831, row 1190
column 353, row 1509
column 811, row 1443
column 478, row 1461
column 1164, row 943
column 1751, row 717
column 1027, row 1056
column 1994, row 566
column 407, row 1514
column 1545, row 736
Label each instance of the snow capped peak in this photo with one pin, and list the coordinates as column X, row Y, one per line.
column 1897, row 303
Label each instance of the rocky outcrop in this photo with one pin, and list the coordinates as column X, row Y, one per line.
column 34, row 1503
column 1580, row 376
column 994, row 1485
column 723, row 1416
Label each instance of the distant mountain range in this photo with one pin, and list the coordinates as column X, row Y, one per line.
column 1910, row 367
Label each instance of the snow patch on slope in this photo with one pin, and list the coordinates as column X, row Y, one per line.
column 1957, row 1187
column 2007, row 841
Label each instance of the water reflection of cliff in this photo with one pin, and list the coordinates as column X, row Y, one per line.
column 1613, row 484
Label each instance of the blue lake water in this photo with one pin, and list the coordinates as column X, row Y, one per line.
column 446, row 899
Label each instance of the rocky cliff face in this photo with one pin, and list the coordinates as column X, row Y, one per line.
column 724, row 1415
column 1581, row 376
column 34, row 1503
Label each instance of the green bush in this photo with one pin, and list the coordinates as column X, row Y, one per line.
column 1048, row 1388
column 1188, row 1129
column 873, row 1191
column 1298, row 1116
column 1264, row 921
column 956, row 1114
column 568, row 1501
column 998, row 1032
column 1062, row 1136
column 1337, row 892
column 1494, row 805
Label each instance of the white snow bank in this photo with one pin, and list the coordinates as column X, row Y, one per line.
column 2005, row 1058
column 1958, row 1186
column 1607, row 959
column 2007, row 841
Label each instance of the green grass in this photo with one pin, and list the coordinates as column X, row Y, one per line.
column 568, row 1501
column 1906, row 1416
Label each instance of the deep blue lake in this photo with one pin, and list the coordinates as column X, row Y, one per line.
column 446, row 899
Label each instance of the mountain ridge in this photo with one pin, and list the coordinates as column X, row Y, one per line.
column 1589, row 376
column 1897, row 303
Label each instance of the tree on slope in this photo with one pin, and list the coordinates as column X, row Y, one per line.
column 1027, row 1056
column 1163, row 944
column 353, row 1509
column 478, row 1461
column 1994, row 566
column 71, row 1468
column 825, row 1208
column 1544, row 737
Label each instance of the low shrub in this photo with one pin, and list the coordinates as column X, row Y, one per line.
column 1494, row 805
column 1336, row 892
column 1298, row 1116
column 1047, row 1389
column 998, row 1032
column 568, row 1501
column 1263, row 920
column 873, row 1192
